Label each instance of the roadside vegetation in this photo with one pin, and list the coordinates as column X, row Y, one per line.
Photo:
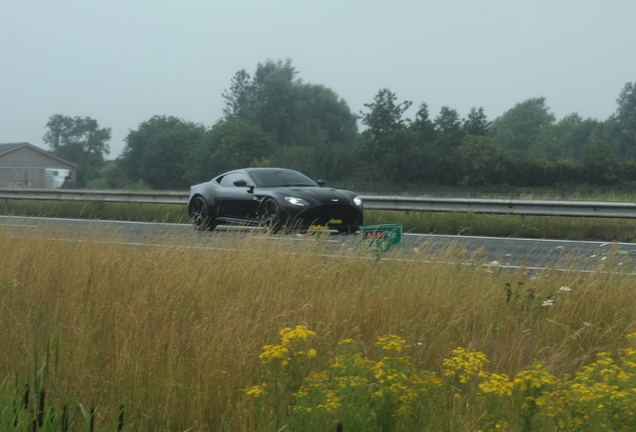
column 623, row 230
column 274, row 118
column 98, row 210
column 189, row 337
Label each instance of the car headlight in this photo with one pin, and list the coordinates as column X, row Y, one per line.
column 297, row 201
column 357, row 201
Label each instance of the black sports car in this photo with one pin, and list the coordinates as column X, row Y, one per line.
column 274, row 198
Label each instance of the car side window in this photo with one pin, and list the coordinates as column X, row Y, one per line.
column 228, row 180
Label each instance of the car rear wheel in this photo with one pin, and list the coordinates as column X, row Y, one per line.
column 270, row 216
column 201, row 218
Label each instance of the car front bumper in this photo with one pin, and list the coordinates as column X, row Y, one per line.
column 329, row 215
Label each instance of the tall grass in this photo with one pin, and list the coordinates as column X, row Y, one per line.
column 177, row 330
column 43, row 403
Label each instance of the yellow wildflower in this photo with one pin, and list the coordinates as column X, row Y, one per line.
column 537, row 377
column 256, row 391
column 391, row 343
column 299, row 334
column 272, row 352
column 464, row 364
column 499, row 385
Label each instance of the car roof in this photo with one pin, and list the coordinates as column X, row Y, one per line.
column 265, row 169
column 251, row 170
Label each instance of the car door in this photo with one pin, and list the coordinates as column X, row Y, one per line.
column 237, row 202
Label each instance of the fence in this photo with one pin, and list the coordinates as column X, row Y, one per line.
column 624, row 210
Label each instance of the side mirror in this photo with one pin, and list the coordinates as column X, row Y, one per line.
column 243, row 183
column 321, row 182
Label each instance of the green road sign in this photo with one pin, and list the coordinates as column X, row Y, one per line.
column 381, row 238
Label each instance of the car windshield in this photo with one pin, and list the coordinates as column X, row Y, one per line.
column 281, row 178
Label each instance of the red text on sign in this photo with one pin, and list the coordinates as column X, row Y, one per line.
column 373, row 235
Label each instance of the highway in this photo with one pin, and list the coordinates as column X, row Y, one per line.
column 493, row 252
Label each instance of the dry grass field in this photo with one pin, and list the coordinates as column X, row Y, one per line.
column 176, row 331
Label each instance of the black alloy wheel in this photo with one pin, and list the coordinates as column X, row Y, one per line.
column 201, row 219
column 270, row 216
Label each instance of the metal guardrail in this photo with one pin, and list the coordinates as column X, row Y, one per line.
column 94, row 195
column 599, row 209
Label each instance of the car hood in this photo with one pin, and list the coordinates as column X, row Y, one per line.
column 317, row 195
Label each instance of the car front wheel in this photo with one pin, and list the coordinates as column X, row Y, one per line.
column 270, row 216
column 200, row 214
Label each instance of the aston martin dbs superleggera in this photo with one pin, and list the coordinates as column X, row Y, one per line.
column 275, row 199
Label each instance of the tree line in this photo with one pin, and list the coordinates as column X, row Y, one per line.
column 273, row 118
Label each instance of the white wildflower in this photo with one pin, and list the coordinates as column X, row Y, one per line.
column 547, row 303
column 564, row 288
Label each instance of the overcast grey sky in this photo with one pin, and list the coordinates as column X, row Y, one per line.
column 123, row 61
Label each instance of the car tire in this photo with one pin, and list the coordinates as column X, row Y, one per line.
column 270, row 216
column 201, row 218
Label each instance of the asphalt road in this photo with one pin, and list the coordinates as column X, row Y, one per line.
column 487, row 251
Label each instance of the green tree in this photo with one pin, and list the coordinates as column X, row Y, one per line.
column 327, row 115
column 519, row 127
column 327, row 161
column 448, row 136
column 600, row 163
column 79, row 140
column 476, row 123
column 422, row 125
column 582, row 133
column 156, row 152
column 240, row 98
column 624, row 121
column 385, row 115
column 566, row 138
column 481, row 161
column 424, row 161
column 449, row 130
column 387, row 152
column 294, row 113
column 111, row 176
column 226, row 146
